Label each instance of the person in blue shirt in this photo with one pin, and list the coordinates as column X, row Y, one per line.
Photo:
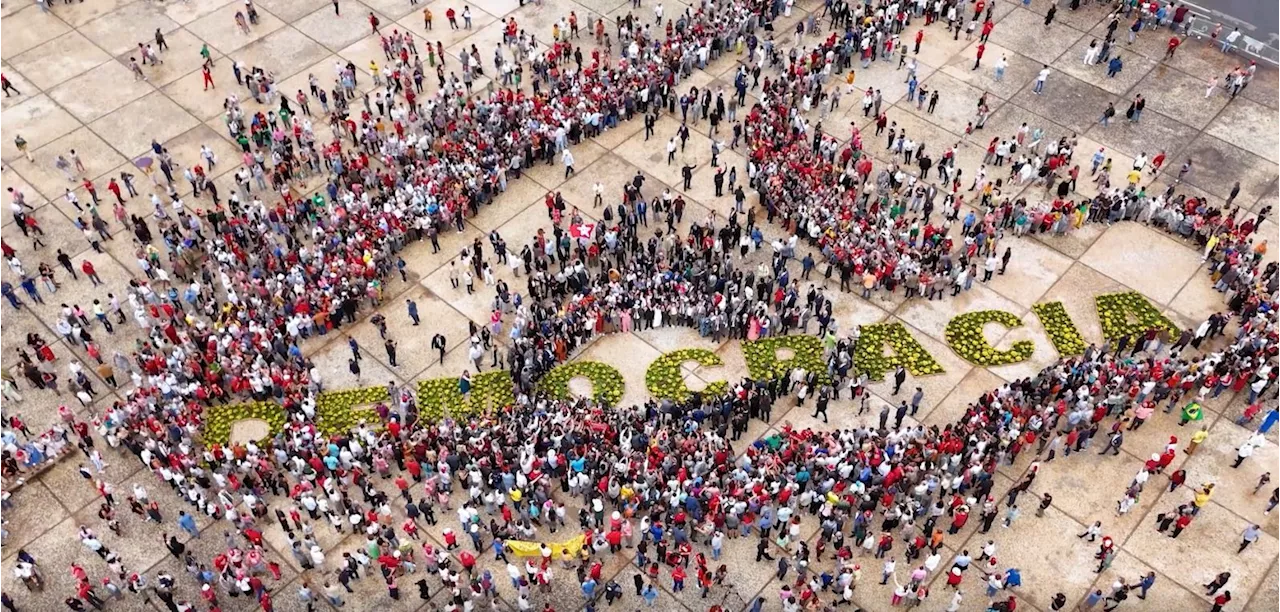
column 650, row 595
column 28, row 284
column 412, row 306
column 1114, row 67
column 7, row 289
column 188, row 524
column 1146, row 583
column 765, row 522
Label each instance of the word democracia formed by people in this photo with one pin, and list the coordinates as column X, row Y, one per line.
column 1122, row 315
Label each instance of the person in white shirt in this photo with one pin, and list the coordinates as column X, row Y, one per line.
column 1230, row 40
column 567, row 158
column 1040, row 79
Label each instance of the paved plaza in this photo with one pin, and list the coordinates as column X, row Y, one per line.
column 77, row 92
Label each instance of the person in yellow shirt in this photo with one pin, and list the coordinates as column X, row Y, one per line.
column 1197, row 439
column 1208, row 247
column 426, row 18
column 1202, row 497
column 1135, row 175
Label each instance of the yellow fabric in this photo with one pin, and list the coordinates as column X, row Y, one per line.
column 1202, row 498
column 534, row 549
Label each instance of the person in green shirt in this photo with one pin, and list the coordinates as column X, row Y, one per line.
column 205, row 54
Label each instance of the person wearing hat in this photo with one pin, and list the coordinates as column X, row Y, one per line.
column 954, row 578
column 1106, row 555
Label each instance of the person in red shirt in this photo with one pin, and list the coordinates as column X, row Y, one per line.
column 208, row 594
column 615, row 540
column 1174, row 41
column 93, row 191
column 114, row 188
column 957, row 522
column 1157, row 162
column 91, row 272
column 1183, row 521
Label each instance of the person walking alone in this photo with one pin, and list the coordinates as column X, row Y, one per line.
column 1250, row 535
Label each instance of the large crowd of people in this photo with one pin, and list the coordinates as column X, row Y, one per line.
column 226, row 295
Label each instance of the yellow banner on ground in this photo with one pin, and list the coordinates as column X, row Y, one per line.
column 534, row 549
